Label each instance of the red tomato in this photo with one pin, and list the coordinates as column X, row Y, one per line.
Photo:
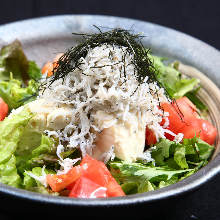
column 48, row 69
column 60, row 182
column 49, row 66
column 176, row 119
column 97, row 172
column 114, row 189
column 69, row 187
column 209, row 131
column 3, row 109
column 150, row 137
column 201, row 128
column 85, row 188
column 93, row 170
column 185, row 107
column 91, row 178
column 180, row 113
column 193, row 129
column 183, row 118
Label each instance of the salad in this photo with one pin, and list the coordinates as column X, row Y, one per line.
column 105, row 118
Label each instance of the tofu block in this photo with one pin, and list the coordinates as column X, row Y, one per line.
column 49, row 116
column 128, row 139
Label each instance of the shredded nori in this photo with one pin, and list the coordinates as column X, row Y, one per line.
column 122, row 38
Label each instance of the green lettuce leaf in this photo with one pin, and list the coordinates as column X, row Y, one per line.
column 44, row 154
column 11, row 130
column 46, row 146
column 145, row 186
column 153, row 174
column 138, row 178
column 15, row 95
column 191, row 153
column 137, row 187
column 130, row 187
column 18, row 76
column 171, row 79
column 38, row 151
column 34, row 71
column 31, row 184
column 203, row 149
column 192, row 96
column 162, row 151
column 13, row 60
column 184, row 86
column 171, row 181
column 180, row 156
column 8, row 173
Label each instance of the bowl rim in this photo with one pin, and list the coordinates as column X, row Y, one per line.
column 182, row 187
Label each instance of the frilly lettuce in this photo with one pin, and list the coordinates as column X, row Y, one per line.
column 138, row 178
column 35, row 156
column 18, row 76
column 171, row 79
column 8, row 173
column 19, row 152
column 13, row 60
column 15, row 95
column 11, row 130
column 32, row 184
column 172, row 163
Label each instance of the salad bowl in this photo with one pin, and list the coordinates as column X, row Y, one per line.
column 45, row 37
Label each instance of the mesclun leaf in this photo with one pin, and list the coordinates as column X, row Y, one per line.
column 173, row 162
column 34, row 156
column 8, row 173
column 192, row 96
column 130, row 187
column 15, row 95
column 162, row 151
column 132, row 171
column 34, row 71
column 203, row 149
column 179, row 157
column 166, row 75
column 145, row 186
column 45, row 154
column 13, row 59
column 170, row 162
column 138, row 178
column 184, row 86
column 11, row 130
column 16, row 72
column 31, row 184
column 171, row 79
column 171, row 181
column 47, row 146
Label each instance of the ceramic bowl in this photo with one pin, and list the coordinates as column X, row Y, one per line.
column 42, row 38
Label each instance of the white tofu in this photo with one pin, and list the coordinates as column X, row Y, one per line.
column 58, row 119
column 49, row 116
column 128, row 138
column 39, row 122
